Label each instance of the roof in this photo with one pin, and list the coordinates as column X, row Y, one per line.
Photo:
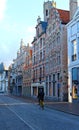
column 64, row 15
column 1, row 67
column 44, row 25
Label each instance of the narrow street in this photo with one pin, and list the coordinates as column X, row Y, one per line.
column 16, row 114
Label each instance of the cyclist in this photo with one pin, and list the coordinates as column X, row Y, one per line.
column 41, row 98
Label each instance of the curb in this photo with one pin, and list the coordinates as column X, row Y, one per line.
column 68, row 112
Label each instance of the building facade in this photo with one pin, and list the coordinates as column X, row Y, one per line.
column 38, row 58
column 56, row 53
column 3, row 79
column 17, row 69
column 73, row 57
column 26, row 89
column 49, row 69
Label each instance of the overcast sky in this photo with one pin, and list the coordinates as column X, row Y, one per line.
column 18, row 19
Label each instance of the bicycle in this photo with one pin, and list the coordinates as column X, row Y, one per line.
column 42, row 104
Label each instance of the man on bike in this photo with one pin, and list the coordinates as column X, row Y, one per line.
column 41, row 98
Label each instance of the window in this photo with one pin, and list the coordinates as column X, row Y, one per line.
column 43, row 41
column 74, row 50
column 40, row 74
column 78, row 26
column 36, row 73
column 34, row 59
column 78, row 48
column 74, row 73
column 49, row 78
column 46, row 78
column 54, row 26
column 53, row 77
column 58, row 58
column 40, row 56
column 46, row 12
column 58, row 76
column 43, row 54
column 47, row 88
column 73, row 29
column 53, row 60
column 43, row 71
column 34, row 47
column 58, row 38
column 49, row 30
column 40, row 42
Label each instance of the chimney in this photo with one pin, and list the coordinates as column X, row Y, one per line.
column 73, row 7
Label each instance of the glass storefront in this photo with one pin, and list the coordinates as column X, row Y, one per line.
column 75, row 83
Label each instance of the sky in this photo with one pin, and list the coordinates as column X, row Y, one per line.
column 18, row 19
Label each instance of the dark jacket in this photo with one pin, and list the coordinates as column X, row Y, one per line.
column 41, row 95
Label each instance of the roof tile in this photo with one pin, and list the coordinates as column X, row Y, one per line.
column 64, row 15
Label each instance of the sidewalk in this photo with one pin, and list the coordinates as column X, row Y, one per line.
column 71, row 108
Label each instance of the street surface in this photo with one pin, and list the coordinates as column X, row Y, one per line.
column 16, row 114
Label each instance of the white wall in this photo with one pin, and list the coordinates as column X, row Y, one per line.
column 72, row 34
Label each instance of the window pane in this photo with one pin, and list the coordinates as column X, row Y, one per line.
column 74, row 74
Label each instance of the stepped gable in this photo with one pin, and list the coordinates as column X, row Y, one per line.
column 64, row 16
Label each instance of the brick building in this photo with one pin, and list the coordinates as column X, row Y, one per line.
column 17, row 69
column 50, row 53
column 56, row 52
column 38, row 58
column 26, row 89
